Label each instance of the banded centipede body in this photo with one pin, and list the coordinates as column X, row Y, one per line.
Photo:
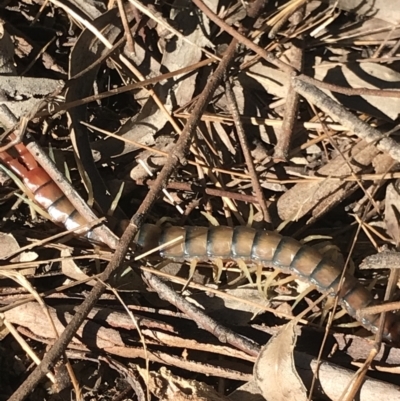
column 267, row 248
column 239, row 244
column 45, row 191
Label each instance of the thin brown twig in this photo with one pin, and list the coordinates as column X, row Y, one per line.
column 348, row 119
column 395, row 93
column 282, row 148
column 262, row 121
column 221, row 193
column 268, row 56
column 223, row 334
column 246, row 151
column 107, row 53
column 124, row 89
column 129, row 40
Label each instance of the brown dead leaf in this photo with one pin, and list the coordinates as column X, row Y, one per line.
column 387, row 10
column 275, row 371
column 365, row 75
column 318, row 197
column 10, row 246
column 392, row 212
column 382, row 260
column 70, row 269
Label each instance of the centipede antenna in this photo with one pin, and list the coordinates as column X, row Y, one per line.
column 158, row 248
column 166, row 193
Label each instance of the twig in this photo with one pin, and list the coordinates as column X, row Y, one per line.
column 268, row 56
column 282, row 147
column 350, row 91
column 246, row 152
column 348, row 119
column 125, row 24
column 124, row 89
column 221, row 193
column 223, row 334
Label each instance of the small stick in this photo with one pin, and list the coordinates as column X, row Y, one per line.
column 282, row 148
column 246, row 151
column 185, row 186
column 125, row 24
column 166, row 193
column 223, row 334
column 348, row 119
column 395, row 93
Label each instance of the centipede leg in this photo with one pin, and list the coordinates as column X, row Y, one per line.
column 192, row 269
column 217, row 271
column 245, row 270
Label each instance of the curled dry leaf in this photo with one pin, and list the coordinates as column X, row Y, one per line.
column 275, row 371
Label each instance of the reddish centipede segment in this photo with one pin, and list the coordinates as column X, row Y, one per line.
column 267, row 248
column 240, row 244
column 45, row 191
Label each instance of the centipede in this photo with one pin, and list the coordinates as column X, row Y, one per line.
column 43, row 189
column 240, row 244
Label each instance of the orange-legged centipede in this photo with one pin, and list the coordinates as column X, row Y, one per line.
column 240, row 244
column 267, row 248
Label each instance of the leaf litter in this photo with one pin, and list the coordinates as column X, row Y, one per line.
column 113, row 95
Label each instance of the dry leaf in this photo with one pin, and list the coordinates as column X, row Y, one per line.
column 275, row 371
column 363, row 75
column 318, row 197
column 392, row 212
column 387, row 10
column 70, row 268
column 10, row 246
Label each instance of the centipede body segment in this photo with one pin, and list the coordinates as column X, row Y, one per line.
column 45, row 191
column 266, row 248
column 239, row 244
